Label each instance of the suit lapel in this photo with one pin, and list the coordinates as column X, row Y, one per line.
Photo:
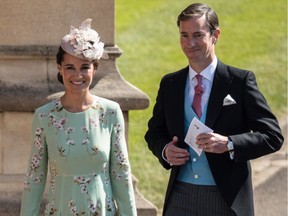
column 176, row 94
column 220, row 89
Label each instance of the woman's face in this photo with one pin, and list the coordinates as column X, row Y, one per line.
column 77, row 74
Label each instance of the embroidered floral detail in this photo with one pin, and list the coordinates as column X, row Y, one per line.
column 61, row 151
column 70, row 130
column 116, row 175
column 38, row 131
column 102, row 115
column 109, row 204
column 122, row 160
column 112, row 112
column 42, row 115
column 73, row 209
column 39, row 178
column 50, row 211
column 95, row 209
column 57, row 104
column 107, row 180
column 94, row 150
column 85, row 141
column 37, row 140
column 121, row 157
column 52, row 187
column 96, row 105
column 117, row 128
column 38, row 143
column 70, row 142
column 60, row 123
column 53, row 170
column 35, row 162
column 26, row 185
column 92, row 122
column 84, row 130
column 82, row 182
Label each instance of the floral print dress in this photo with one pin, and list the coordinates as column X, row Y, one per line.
column 88, row 162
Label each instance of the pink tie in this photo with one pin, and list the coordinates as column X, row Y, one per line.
column 196, row 105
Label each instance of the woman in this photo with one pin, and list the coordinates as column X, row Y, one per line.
column 82, row 137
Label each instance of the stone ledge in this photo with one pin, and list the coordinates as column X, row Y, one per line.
column 42, row 51
column 144, row 207
column 35, row 69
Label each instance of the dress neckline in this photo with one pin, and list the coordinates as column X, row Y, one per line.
column 58, row 104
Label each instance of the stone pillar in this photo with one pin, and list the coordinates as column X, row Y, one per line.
column 31, row 31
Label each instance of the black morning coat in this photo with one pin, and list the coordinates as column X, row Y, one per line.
column 249, row 122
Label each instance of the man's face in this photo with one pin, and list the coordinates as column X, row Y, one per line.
column 197, row 42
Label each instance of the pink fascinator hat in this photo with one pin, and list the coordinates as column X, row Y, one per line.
column 84, row 43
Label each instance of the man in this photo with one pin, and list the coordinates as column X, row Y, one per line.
column 216, row 180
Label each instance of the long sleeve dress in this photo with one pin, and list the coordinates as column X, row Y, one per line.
column 88, row 162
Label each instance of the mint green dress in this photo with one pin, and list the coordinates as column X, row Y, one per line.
column 88, row 162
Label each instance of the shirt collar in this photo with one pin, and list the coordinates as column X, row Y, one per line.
column 207, row 73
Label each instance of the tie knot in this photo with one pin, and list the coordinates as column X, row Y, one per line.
column 198, row 88
column 199, row 78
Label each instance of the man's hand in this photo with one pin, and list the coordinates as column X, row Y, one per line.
column 212, row 142
column 175, row 155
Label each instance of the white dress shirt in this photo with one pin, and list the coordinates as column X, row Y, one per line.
column 207, row 80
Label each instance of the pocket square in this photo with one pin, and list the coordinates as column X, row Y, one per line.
column 228, row 100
